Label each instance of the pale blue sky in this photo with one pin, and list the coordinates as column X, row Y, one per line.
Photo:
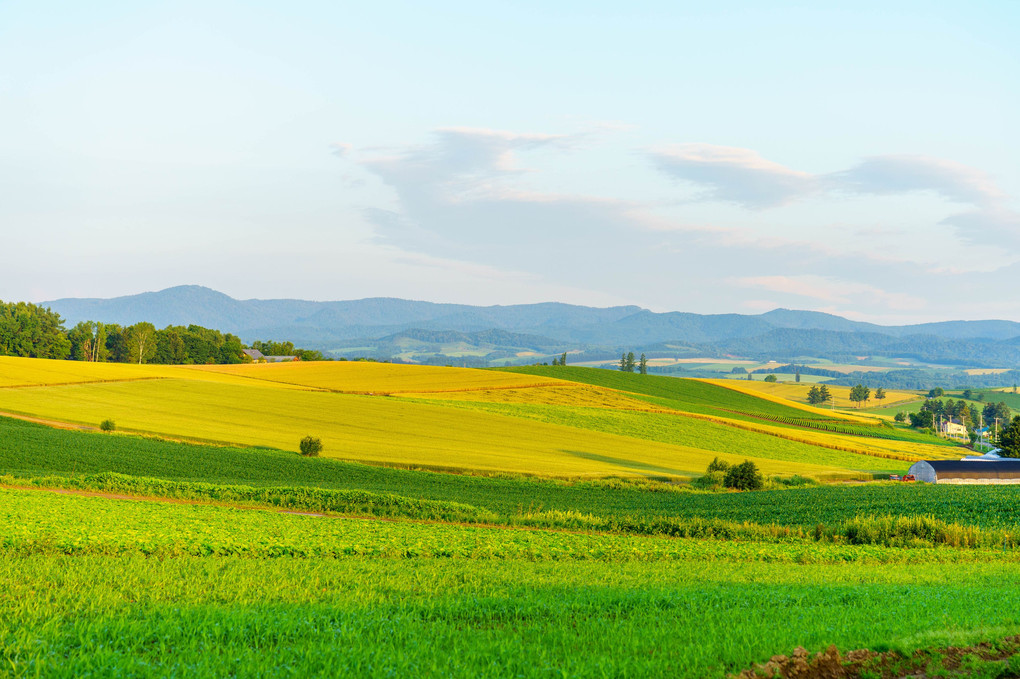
column 858, row 159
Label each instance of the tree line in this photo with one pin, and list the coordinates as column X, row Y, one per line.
column 33, row 331
column 628, row 363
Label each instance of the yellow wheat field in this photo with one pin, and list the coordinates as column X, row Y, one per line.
column 375, row 429
column 563, row 394
column 363, row 377
column 795, row 394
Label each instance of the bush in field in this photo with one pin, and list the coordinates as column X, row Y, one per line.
column 717, row 465
column 107, row 425
column 311, row 446
column 712, row 480
column 745, row 476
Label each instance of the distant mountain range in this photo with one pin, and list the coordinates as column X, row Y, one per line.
column 387, row 324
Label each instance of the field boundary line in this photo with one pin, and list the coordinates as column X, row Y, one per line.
column 83, row 382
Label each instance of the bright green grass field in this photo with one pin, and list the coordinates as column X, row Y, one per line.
column 400, row 599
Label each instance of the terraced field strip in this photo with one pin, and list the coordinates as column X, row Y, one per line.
column 798, row 393
column 596, row 397
column 364, row 428
column 365, row 377
column 17, row 372
column 774, row 393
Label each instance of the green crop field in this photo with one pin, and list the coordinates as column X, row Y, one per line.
column 99, row 586
column 30, row 450
column 194, row 541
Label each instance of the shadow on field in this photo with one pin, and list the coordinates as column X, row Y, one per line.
column 650, row 469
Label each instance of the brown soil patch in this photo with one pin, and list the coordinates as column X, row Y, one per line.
column 831, row 664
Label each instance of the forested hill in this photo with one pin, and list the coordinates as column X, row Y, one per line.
column 321, row 323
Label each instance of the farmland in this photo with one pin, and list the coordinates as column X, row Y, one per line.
column 228, row 596
column 440, row 418
column 193, row 539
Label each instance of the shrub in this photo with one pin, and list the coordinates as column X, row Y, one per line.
column 717, row 465
column 900, row 416
column 712, row 480
column 107, row 425
column 745, row 476
column 311, row 446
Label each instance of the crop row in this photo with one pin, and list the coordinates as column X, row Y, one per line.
column 47, row 523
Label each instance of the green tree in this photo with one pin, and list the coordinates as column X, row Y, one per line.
column 796, row 375
column 170, row 349
column 937, row 392
column 563, row 358
column 814, row 395
column 141, row 341
column 643, row 365
column 880, row 394
column 717, row 465
column 88, row 341
column 770, row 378
column 116, row 344
column 924, row 419
column 824, row 392
column 311, row 446
column 32, row 331
column 744, row 476
column 900, row 416
column 1009, row 439
column 627, row 362
column 860, row 394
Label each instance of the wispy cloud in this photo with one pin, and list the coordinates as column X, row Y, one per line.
column 897, row 174
column 735, row 175
column 474, row 196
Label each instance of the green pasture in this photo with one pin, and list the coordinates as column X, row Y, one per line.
column 255, row 593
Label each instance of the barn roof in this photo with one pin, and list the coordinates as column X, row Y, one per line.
column 976, row 469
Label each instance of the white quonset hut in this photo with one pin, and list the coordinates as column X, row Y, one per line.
column 966, row 471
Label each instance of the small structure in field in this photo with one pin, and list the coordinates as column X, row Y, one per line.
column 988, row 471
column 953, row 429
column 255, row 355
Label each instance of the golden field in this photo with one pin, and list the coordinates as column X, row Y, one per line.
column 796, row 393
column 353, row 408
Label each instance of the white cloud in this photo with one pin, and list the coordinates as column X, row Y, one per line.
column 896, row 174
column 735, row 175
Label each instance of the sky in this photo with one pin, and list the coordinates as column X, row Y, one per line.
column 857, row 158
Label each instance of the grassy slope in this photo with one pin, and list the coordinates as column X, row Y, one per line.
column 708, row 398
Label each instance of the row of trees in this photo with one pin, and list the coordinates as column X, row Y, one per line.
column 32, row 331
column 36, row 332
column 967, row 414
column 628, row 363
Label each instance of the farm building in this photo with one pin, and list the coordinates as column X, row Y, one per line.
column 953, row 429
column 966, row 471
